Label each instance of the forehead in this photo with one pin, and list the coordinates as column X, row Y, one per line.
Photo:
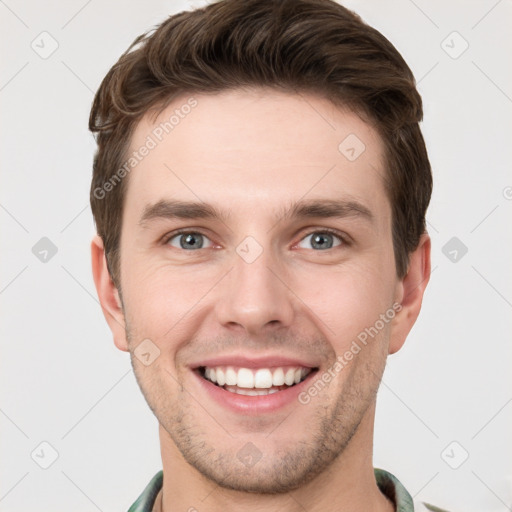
column 252, row 149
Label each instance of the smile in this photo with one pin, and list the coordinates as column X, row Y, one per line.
column 255, row 381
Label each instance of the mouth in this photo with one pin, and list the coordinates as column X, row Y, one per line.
column 255, row 381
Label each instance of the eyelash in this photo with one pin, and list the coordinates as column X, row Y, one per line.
column 343, row 238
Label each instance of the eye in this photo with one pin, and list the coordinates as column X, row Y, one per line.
column 322, row 240
column 188, row 240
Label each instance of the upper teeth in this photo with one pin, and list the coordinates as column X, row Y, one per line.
column 256, row 378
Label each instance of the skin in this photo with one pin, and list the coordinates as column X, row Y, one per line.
column 252, row 152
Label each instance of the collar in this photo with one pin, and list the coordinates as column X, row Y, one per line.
column 388, row 484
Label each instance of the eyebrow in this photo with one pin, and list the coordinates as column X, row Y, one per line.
column 317, row 208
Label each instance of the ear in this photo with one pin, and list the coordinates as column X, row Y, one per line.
column 108, row 294
column 410, row 292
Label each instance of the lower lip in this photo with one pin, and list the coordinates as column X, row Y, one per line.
column 257, row 404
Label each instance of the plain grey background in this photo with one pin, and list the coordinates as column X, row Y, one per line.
column 444, row 412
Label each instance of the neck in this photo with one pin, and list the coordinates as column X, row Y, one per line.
column 347, row 485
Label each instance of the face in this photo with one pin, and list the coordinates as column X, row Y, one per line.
column 256, row 249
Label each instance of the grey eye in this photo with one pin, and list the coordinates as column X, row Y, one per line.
column 321, row 240
column 188, row 241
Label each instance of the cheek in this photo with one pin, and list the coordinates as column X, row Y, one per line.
column 161, row 299
column 347, row 300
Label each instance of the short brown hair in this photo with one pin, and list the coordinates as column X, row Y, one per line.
column 315, row 46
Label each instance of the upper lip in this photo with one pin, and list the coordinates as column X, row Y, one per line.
column 246, row 361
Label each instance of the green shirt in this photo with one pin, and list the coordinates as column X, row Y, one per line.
column 388, row 484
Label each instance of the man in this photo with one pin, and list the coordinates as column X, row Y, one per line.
column 259, row 192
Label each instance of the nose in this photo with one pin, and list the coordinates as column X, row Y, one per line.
column 255, row 295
